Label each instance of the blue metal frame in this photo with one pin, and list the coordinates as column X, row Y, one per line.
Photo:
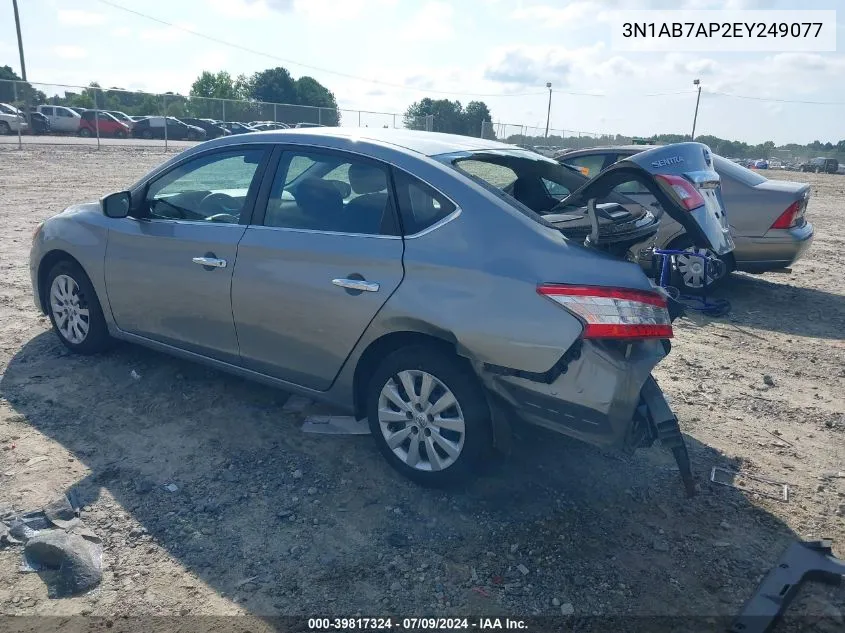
column 719, row 307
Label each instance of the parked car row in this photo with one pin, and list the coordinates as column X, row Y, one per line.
column 54, row 119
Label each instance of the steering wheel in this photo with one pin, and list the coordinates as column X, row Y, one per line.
column 219, row 203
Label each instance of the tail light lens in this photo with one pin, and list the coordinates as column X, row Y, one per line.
column 613, row 313
column 789, row 218
column 682, row 190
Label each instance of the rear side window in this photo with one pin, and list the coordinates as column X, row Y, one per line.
column 420, row 206
column 47, row 111
column 331, row 192
column 499, row 176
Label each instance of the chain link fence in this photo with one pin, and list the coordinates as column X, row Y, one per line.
column 32, row 112
column 555, row 140
column 39, row 113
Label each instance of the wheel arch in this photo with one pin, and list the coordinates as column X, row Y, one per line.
column 387, row 344
column 46, row 264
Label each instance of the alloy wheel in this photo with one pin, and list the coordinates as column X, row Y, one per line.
column 421, row 420
column 70, row 309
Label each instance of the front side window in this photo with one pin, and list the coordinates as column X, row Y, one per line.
column 47, row 111
column 211, row 188
column 333, row 193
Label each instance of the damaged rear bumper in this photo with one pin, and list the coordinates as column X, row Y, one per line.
column 592, row 394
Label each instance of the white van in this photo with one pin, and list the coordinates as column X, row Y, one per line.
column 62, row 119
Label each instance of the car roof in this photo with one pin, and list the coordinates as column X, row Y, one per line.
column 427, row 143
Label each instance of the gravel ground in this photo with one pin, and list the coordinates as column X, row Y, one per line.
column 266, row 520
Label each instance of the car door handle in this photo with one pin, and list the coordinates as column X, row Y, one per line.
column 210, row 261
column 357, row 284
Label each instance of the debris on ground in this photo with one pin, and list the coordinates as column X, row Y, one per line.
column 171, row 487
column 335, row 425
column 135, row 375
column 77, row 560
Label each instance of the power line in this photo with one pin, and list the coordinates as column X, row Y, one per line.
column 293, row 62
column 253, row 51
column 773, row 100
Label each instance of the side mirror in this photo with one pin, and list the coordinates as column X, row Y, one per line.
column 116, row 205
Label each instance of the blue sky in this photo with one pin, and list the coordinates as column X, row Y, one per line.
column 443, row 48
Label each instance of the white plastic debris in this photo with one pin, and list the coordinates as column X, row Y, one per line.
column 135, row 375
column 335, row 425
column 171, row 487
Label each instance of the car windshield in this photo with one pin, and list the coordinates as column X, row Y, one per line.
column 730, row 169
column 529, row 182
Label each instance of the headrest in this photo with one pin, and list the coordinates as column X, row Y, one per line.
column 366, row 179
column 318, row 198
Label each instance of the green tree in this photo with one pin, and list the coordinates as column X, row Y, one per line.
column 17, row 93
column 274, row 85
column 475, row 114
column 310, row 92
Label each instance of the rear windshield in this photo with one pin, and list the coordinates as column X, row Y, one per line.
column 730, row 169
column 529, row 182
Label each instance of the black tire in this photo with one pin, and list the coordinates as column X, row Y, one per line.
column 677, row 279
column 120, row 134
column 456, row 374
column 146, row 134
column 97, row 338
column 5, row 128
column 85, row 132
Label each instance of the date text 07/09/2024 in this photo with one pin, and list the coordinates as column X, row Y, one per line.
column 416, row 624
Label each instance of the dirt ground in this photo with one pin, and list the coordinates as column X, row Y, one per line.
column 267, row 520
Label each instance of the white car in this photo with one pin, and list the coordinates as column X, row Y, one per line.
column 61, row 119
column 11, row 120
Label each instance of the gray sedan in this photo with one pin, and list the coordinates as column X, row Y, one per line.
column 372, row 270
column 766, row 216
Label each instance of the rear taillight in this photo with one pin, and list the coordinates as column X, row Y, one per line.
column 614, row 313
column 789, row 218
column 682, row 190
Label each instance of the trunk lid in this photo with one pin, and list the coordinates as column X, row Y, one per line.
column 682, row 178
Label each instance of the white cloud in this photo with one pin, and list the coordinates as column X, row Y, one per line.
column 121, row 31
column 432, row 22
column 535, row 65
column 243, row 9
column 340, row 10
column 70, row 52
column 77, row 17
column 166, row 34
column 549, row 17
column 318, row 10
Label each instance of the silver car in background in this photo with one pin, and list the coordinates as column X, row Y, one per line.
column 766, row 216
column 379, row 271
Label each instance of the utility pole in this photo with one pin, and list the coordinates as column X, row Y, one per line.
column 696, row 82
column 20, row 40
column 549, row 111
